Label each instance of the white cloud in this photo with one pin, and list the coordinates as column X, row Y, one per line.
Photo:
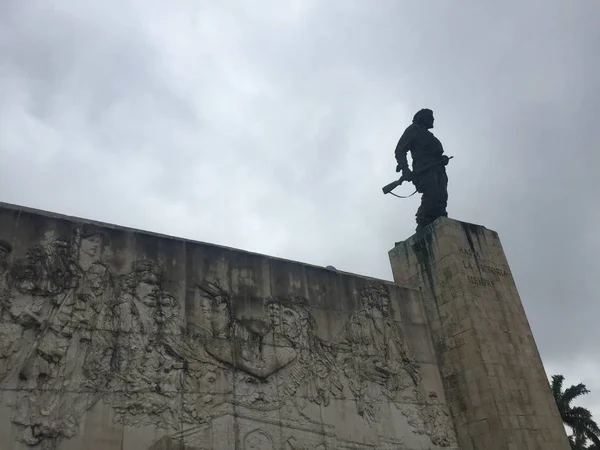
column 271, row 127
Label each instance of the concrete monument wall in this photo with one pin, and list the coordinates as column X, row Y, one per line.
column 492, row 373
column 116, row 339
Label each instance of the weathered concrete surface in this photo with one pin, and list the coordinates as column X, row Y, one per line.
column 493, row 375
column 117, row 339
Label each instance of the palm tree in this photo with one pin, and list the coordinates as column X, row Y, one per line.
column 577, row 418
column 578, row 442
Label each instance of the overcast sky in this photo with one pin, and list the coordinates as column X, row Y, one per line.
column 270, row 126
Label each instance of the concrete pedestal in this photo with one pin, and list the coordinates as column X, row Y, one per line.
column 493, row 376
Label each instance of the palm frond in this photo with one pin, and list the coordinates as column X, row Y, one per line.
column 573, row 392
column 593, row 426
column 577, row 418
column 592, row 432
column 580, row 412
column 578, row 441
column 595, row 440
column 556, row 385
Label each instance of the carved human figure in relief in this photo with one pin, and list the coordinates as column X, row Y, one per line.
column 95, row 286
column 91, row 243
column 142, row 355
column 72, row 311
column 42, row 281
column 216, row 320
column 95, row 291
column 45, row 284
column 240, row 342
column 430, row 418
column 139, row 300
column 209, row 381
column 278, row 351
column 55, row 362
column 313, row 376
column 374, row 354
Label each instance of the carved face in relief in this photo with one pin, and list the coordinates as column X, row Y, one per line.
column 156, row 303
column 254, row 391
column 385, row 306
column 91, row 246
column 61, row 248
column 206, row 306
column 146, row 271
column 273, row 312
column 142, row 284
column 373, row 309
column 290, row 322
column 97, row 278
column 144, row 281
column 287, row 318
column 147, row 293
column 209, row 380
column 164, row 308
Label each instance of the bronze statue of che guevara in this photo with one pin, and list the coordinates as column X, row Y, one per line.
column 429, row 167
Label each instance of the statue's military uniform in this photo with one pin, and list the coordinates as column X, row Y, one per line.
column 425, row 150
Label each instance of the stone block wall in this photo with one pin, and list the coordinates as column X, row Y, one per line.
column 117, row 339
column 493, row 376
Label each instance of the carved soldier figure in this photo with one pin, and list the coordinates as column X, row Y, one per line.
column 138, row 350
column 429, row 171
column 374, row 354
column 312, row 376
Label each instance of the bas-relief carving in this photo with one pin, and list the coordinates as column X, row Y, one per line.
column 293, row 444
column 254, row 346
column 258, row 440
column 47, row 316
column 74, row 331
column 375, row 356
column 432, row 420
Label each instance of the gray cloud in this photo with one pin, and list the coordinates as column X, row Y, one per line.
column 272, row 128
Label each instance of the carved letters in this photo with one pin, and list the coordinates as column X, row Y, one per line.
column 72, row 324
column 481, row 268
column 469, row 252
column 486, row 269
column 480, row 281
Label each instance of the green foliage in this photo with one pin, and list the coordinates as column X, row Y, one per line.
column 577, row 418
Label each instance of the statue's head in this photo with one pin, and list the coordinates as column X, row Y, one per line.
column 424, row 117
